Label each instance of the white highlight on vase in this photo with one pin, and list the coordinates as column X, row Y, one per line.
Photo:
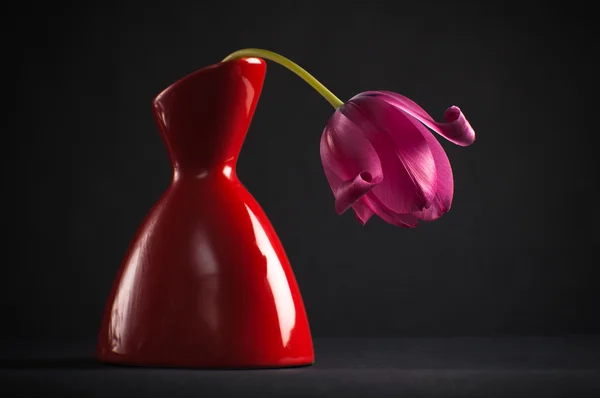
column 227, row 171
column 207, row 268
column 278, row 282
column 119, row 319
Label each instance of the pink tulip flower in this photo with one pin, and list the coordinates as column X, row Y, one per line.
column 380, row 158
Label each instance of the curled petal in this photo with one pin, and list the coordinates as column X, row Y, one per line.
column 351, row 191
column 456, row 128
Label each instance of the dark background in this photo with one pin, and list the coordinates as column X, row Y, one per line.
column 517, row 254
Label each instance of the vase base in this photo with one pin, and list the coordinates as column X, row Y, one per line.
column 126, row 361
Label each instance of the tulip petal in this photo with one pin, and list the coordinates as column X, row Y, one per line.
column 350, row 191
column 346, row 150
column 351, row 164
column 408, row 165
column 362, row 211
column 445, row 179
column 387, row 215
column 456, row 128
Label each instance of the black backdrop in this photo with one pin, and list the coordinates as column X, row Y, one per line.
column 517, row 254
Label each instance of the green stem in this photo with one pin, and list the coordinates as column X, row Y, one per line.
column 307, row 77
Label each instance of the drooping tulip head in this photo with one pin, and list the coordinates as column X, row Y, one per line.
column 380, row 158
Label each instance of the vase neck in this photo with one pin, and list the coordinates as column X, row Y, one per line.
column 205, row 116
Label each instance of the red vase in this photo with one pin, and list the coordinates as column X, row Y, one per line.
column 206, row 281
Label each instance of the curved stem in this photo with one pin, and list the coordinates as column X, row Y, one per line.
column 283, row 61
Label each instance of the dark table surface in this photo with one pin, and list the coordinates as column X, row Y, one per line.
column 403, row 367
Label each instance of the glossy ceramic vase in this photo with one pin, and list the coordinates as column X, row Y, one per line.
column 206, row 282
